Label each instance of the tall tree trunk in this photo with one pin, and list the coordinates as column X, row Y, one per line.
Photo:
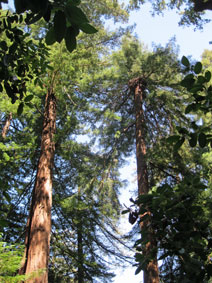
column 137, row 86
column 6, row 126
column 80, row 272
column 38, row 228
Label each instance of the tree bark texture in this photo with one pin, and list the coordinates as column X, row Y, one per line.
column 38, row 228
column 6, row 126
column 137, row 86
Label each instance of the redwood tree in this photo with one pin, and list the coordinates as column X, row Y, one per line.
column 137, row 87
column 38, row 229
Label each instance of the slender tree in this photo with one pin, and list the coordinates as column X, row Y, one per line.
column 138, row 87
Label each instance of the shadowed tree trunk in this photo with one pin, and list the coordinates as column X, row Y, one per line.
column 137, row 86
column 38, row 228
column 6, row 126
column 80, row 271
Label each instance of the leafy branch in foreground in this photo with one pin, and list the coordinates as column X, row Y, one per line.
column 10, row 258
column 198, row 86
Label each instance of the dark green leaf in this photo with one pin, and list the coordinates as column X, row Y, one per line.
column 75, row 15
column 138, row 270
column 50, row 37
column 193, row 139
column 70, row 39
column 125, row 211
column 59, row 25
column 199, row 98
column 9, row 90
column 201, row 80
column 3, row 223
column 202, row 140
column 20, row 108
column 192, row 107
column 28, row 98
column 183, row 131
column 1, row 88
column 74, row 2
column 30, row 105
column 179, row 144
column 47, row 14
column 20, row 6
column 173, row 139
column 3, row 45
column 188, row 81
column 144, row 199
column 7, row 196
column 207, row 76
column 87, row 28
column 198, row 67
column 185, row 61
column 35, row 18
column 13, row 47
column 197, row 88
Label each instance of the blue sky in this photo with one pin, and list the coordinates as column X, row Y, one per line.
column 160, row 29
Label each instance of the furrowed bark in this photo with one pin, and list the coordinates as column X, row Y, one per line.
column 137, row 86
column 6, row 126
column 38, row 230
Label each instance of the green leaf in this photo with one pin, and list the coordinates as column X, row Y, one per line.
column 28, row 98
column 75, row 15
column 188, row 81
column 3, row 223
column 173, row 139
column 35, row 18
column 6, row 156
column 74, row 2
column 87, row 28
column 20, row 6
column 185, row 61
column 207, row 76
column 138, row 270
column 178, row 144
column 30, row 105
column 201, row 80
column 202, row 140
column 197, row 88
column 47, row 14
column 192, row 107
column 70, row 39
column 50, row 37
column 198, row 68
column 3, row 45
column 193, row 139
column 59, row 25
column 7, row 196
column 189, row 108
column 20, row 108
column 182, row 131
column 125, row 211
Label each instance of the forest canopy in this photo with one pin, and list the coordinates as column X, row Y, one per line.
column 76, row 101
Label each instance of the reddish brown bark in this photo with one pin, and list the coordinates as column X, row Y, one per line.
column 137, row 86
column 6, row 126
column 38, row 230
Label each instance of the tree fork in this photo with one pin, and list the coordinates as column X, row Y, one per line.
column 137, row 87
column 38, row 230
